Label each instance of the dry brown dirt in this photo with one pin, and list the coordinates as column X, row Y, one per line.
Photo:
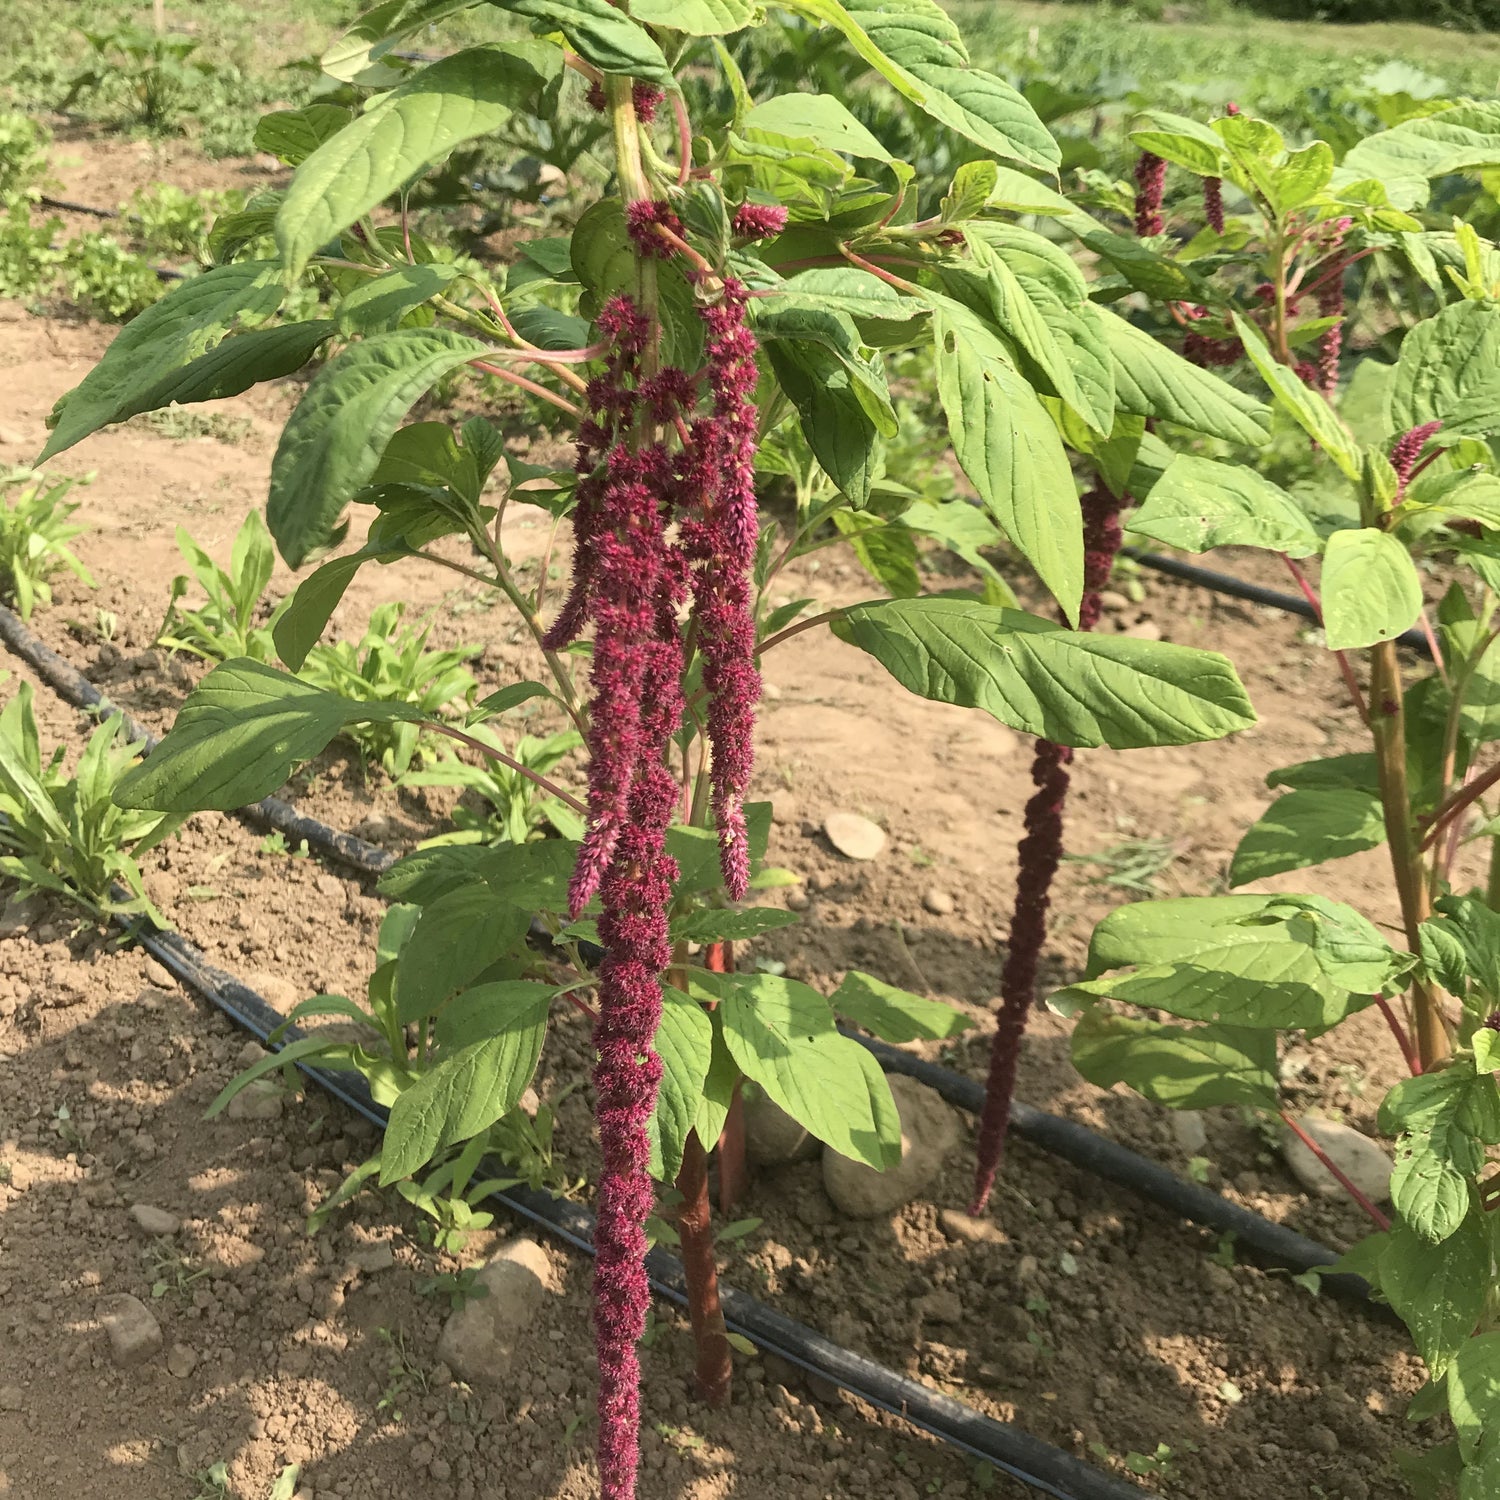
column 1090, row 1319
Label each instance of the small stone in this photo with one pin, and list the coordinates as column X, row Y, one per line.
column 1145, row 630
column 1321, row 1439
column 18, row 916
column 1113, row 599
column 479, row 1340
column 279, row 993
column 939, row 903
column 1362, row 1160
column 929, row 1132
column 159, row 975
column 250, row 1054
column 853, row 836
column 969, row 1230
column 330, row 885
column 941, row 1306
column 155, row 1221
column 373, row 1258
column 260, row 1100
column 797, row 899
column 181, row 1361
column 773, row 1137
column 134, row 1334
column 1189, row 1131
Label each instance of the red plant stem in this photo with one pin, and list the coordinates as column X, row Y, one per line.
column 714, row 1369
column 1337, row 1172
column 718, row 958
column 1456, row 804
column 797, row 629
column 1432, row 643
column 1413, row 1062
column 684, row 139
column 1039, row 853
column 550, row 787
column 1346, row 668
column 561, row 402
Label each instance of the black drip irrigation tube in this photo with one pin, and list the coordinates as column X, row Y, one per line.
column 1238, row 588
column 1076, row 1144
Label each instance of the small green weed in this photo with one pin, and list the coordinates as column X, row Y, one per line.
column 1131, row 865
column 35, row 530
column 225, row 624
column 104, row 278
column 23, row 158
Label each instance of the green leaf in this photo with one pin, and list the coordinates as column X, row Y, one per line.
column 1178, row 1067
column 311, row 606
column 456, row 938
column 1474, row 1390
column 468, row 94
column 918, row 50
column 1446, row 371
column 818, row 118
column 887, row 551
column 193, row 317
column 378, row 30
column 1371, row 589
column 838, row 428
column 697, row 17
column 377, row 305
column 892, row 1014
column 1070, row 687
column 725, row 925
column 1437, row 1290
column 684, row 1042
column 1200, row 503
column 1312, row 412
column 1463, row 138
column 1444, row 1117
column 601, row 34
column 1357, row 770
column 781, row 1033
column 294, row 134
column 463, row 1094
column 1010, row 449
column 719, row 1087
column 238, row 737
column 533, row 876
column 334, row 439
column 1152, row 381
column 1305, row 828
column 970, row 191
column 1184, row 142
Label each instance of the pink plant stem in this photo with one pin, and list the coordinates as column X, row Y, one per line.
column 1346, row 668
column 1413, row 1062
column 1039, row 853
column 797, row 629
column 1457, row 803
column 510, row 376
column 684, row 140
column 491, row 753
column 1337, row 1172
column 1432, row 643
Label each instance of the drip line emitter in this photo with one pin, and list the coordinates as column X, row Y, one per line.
column 1028, row 1459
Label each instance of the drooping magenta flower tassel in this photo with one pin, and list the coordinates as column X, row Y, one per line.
column 1406, row 450
column 1213, row 203
column 1150, row 181
column 1039, row 854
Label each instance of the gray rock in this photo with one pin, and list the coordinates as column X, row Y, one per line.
column 261, row 1100
column 969, row 1230
column 372, row 1258
column 154, row 1221
column 330, row 885
column 479, row 1341
column 853, row 836
column 929, row 1132
column 133, row 1332
column 250, row 1054
column 278, row 992
column 181, row 1361
column 1362, row 1160
column 18, row 916
column 939, row 903
column 1189, row 1132
column 773, row 1137
column 159, row 975
column 941, row 1306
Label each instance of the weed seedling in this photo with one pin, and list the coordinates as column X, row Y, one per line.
column 34, row 534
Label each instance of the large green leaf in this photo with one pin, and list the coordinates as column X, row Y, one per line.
column 1152, row 381
column 379, row 304
column 1067, row 686
column 697, row 17
column 1371, row 589
column 1438, row 1290
column 782, row 1035
column 835, row 422
column 455, row 939
column 333, row 441
column 1181, row 140
column 238, row 737
column 463, row 96
column 1179, row 1067
column 1445, row 1118
column 601, row 33
column 294, row 134
column 819, row 118
column 684, row 1042
column 895, row 1015
column 1463, row 138
column 378, row 30
column 463, row 1094
column 1446, row 372
column 918, row 50
column 1200, row 503
column 1009, row 448
column 1314, row 414
column 193, row 317
column 1474, row 1391
column 1305, row 828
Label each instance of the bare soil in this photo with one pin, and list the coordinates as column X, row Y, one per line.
column 1090, row 1319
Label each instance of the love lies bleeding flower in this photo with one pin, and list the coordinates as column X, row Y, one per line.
column 1213, row 203
column 758, row 221
column 1150, row 182
column 1406, row 450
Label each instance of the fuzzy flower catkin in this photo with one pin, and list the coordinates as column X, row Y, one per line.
column 758, row 221
column 1330, row 346
column 1039, row 854
column 1406, row 450
column 1213, row 203
column 1150, row 181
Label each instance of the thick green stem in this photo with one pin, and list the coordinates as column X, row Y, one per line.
column 1388, row 728
column 1492, row 886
